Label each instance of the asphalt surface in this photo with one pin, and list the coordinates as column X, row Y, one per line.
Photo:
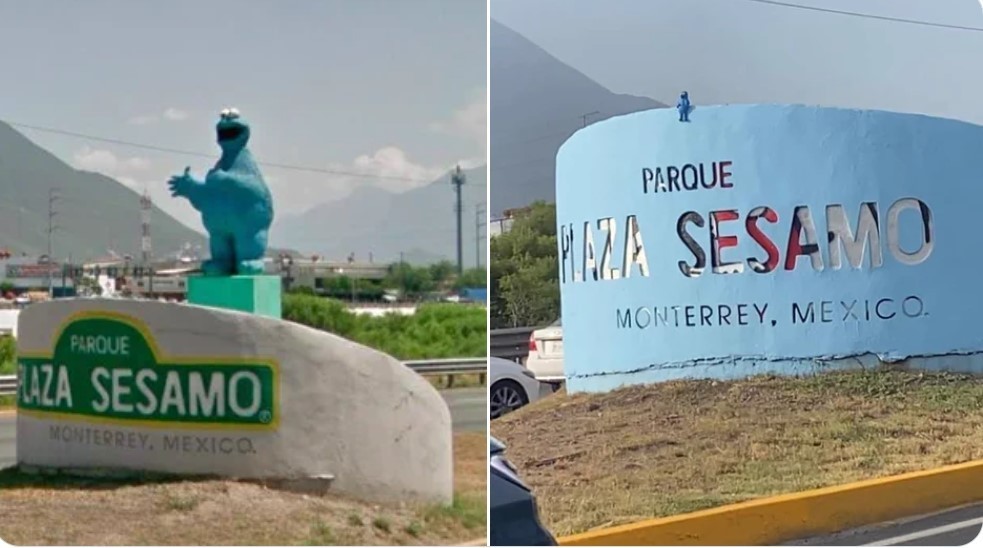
column 8, row 440
column 469, row 412
column 469, row 408
column 954, row 527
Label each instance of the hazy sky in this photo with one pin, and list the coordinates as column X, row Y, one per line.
column 738, row 51
column 391, row 87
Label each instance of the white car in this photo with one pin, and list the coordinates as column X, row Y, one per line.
column 546, row 353
column 511, row 386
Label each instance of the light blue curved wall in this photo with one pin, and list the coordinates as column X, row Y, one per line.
column 780, row 157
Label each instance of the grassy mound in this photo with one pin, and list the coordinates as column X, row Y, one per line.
column 657, row 450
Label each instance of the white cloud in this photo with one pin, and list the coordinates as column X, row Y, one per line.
column 175, row 115
column 106, row 162
column 470, row 121
column 170, row 114
column 395, row 170
column 389, row 168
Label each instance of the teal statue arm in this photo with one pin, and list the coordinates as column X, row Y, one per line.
column 187, row 186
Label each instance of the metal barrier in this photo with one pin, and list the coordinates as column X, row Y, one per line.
column 8, row 385
column 448, row 367
column 451, row 367
column 512, row 343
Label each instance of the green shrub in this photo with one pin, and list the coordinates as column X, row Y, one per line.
column 437, row 330
column 8, row 355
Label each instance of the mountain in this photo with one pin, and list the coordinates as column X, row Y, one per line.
column 419, row 223
column 94, row 213
column 537, row 102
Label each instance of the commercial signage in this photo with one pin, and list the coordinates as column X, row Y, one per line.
column 765, row 239
column 107, row 367
column 40, row 270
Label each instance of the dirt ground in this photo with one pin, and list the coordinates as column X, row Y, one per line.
column 657, row 450
column 216, row 512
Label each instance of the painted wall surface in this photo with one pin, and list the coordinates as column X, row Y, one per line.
column 143, row 385
column 768, row 239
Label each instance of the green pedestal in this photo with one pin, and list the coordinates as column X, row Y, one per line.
column 254, row 294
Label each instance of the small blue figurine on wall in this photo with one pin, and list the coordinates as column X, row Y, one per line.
column 235, row 204
column 684, row 107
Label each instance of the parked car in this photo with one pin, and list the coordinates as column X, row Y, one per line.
column 511, row 386
column 546, row 352
column 513, row 512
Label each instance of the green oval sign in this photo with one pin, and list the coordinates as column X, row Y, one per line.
column 107, row 366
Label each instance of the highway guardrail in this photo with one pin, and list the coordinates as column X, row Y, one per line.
column 8, row 385
column 511, row 343
column 447, row 367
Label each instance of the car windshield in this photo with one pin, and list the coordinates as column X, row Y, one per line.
column 557, row 323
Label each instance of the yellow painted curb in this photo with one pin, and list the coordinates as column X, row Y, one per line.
column 772, row 520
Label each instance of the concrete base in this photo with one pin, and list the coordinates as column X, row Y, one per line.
column 254, row 294
column 342, row 416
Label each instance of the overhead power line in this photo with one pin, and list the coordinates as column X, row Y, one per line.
column 203, row 155
column 867, row 15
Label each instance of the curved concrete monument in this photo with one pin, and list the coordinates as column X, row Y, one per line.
column 143, row 385
column 767, row 239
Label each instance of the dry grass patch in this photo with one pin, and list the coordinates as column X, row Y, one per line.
column 658, row 450
column 158, row 511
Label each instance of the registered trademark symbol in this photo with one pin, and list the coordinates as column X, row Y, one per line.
column 265, row 416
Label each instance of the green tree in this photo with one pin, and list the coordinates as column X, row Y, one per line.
column 442, row 272
column 88, row 286
column 525, row 289
column 472, row 277
column 8, row 355
column 412, row 281
column 437, row 330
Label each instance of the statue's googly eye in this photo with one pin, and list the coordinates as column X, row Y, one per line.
column 225, row 113
column 233, row 112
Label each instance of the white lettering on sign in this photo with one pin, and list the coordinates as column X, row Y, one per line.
column 45, row 385
column 804, row 240
column 234, row 402
column 212, row 402
column 119, row 390
column 100, row 345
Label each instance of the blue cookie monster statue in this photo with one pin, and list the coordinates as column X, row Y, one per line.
column 235, row 204
column 684, row 107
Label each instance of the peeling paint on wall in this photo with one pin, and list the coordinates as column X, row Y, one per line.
column 767, row 239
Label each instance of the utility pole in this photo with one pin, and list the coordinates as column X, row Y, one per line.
column 457, row 179
column 52, row 198
column 145, row 208
column 479, row 212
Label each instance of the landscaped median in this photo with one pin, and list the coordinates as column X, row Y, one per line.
column 758, row 461
column 166, row 511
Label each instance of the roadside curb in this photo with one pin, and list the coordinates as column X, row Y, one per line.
column 783, row 518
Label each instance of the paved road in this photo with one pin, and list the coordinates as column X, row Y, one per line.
column 469, row 408
column 955, row 527
column 467, row 405
column 8, row 437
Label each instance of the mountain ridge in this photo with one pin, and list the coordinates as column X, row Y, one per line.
column 537, row 102
column 95, row 214
column 417, row 225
